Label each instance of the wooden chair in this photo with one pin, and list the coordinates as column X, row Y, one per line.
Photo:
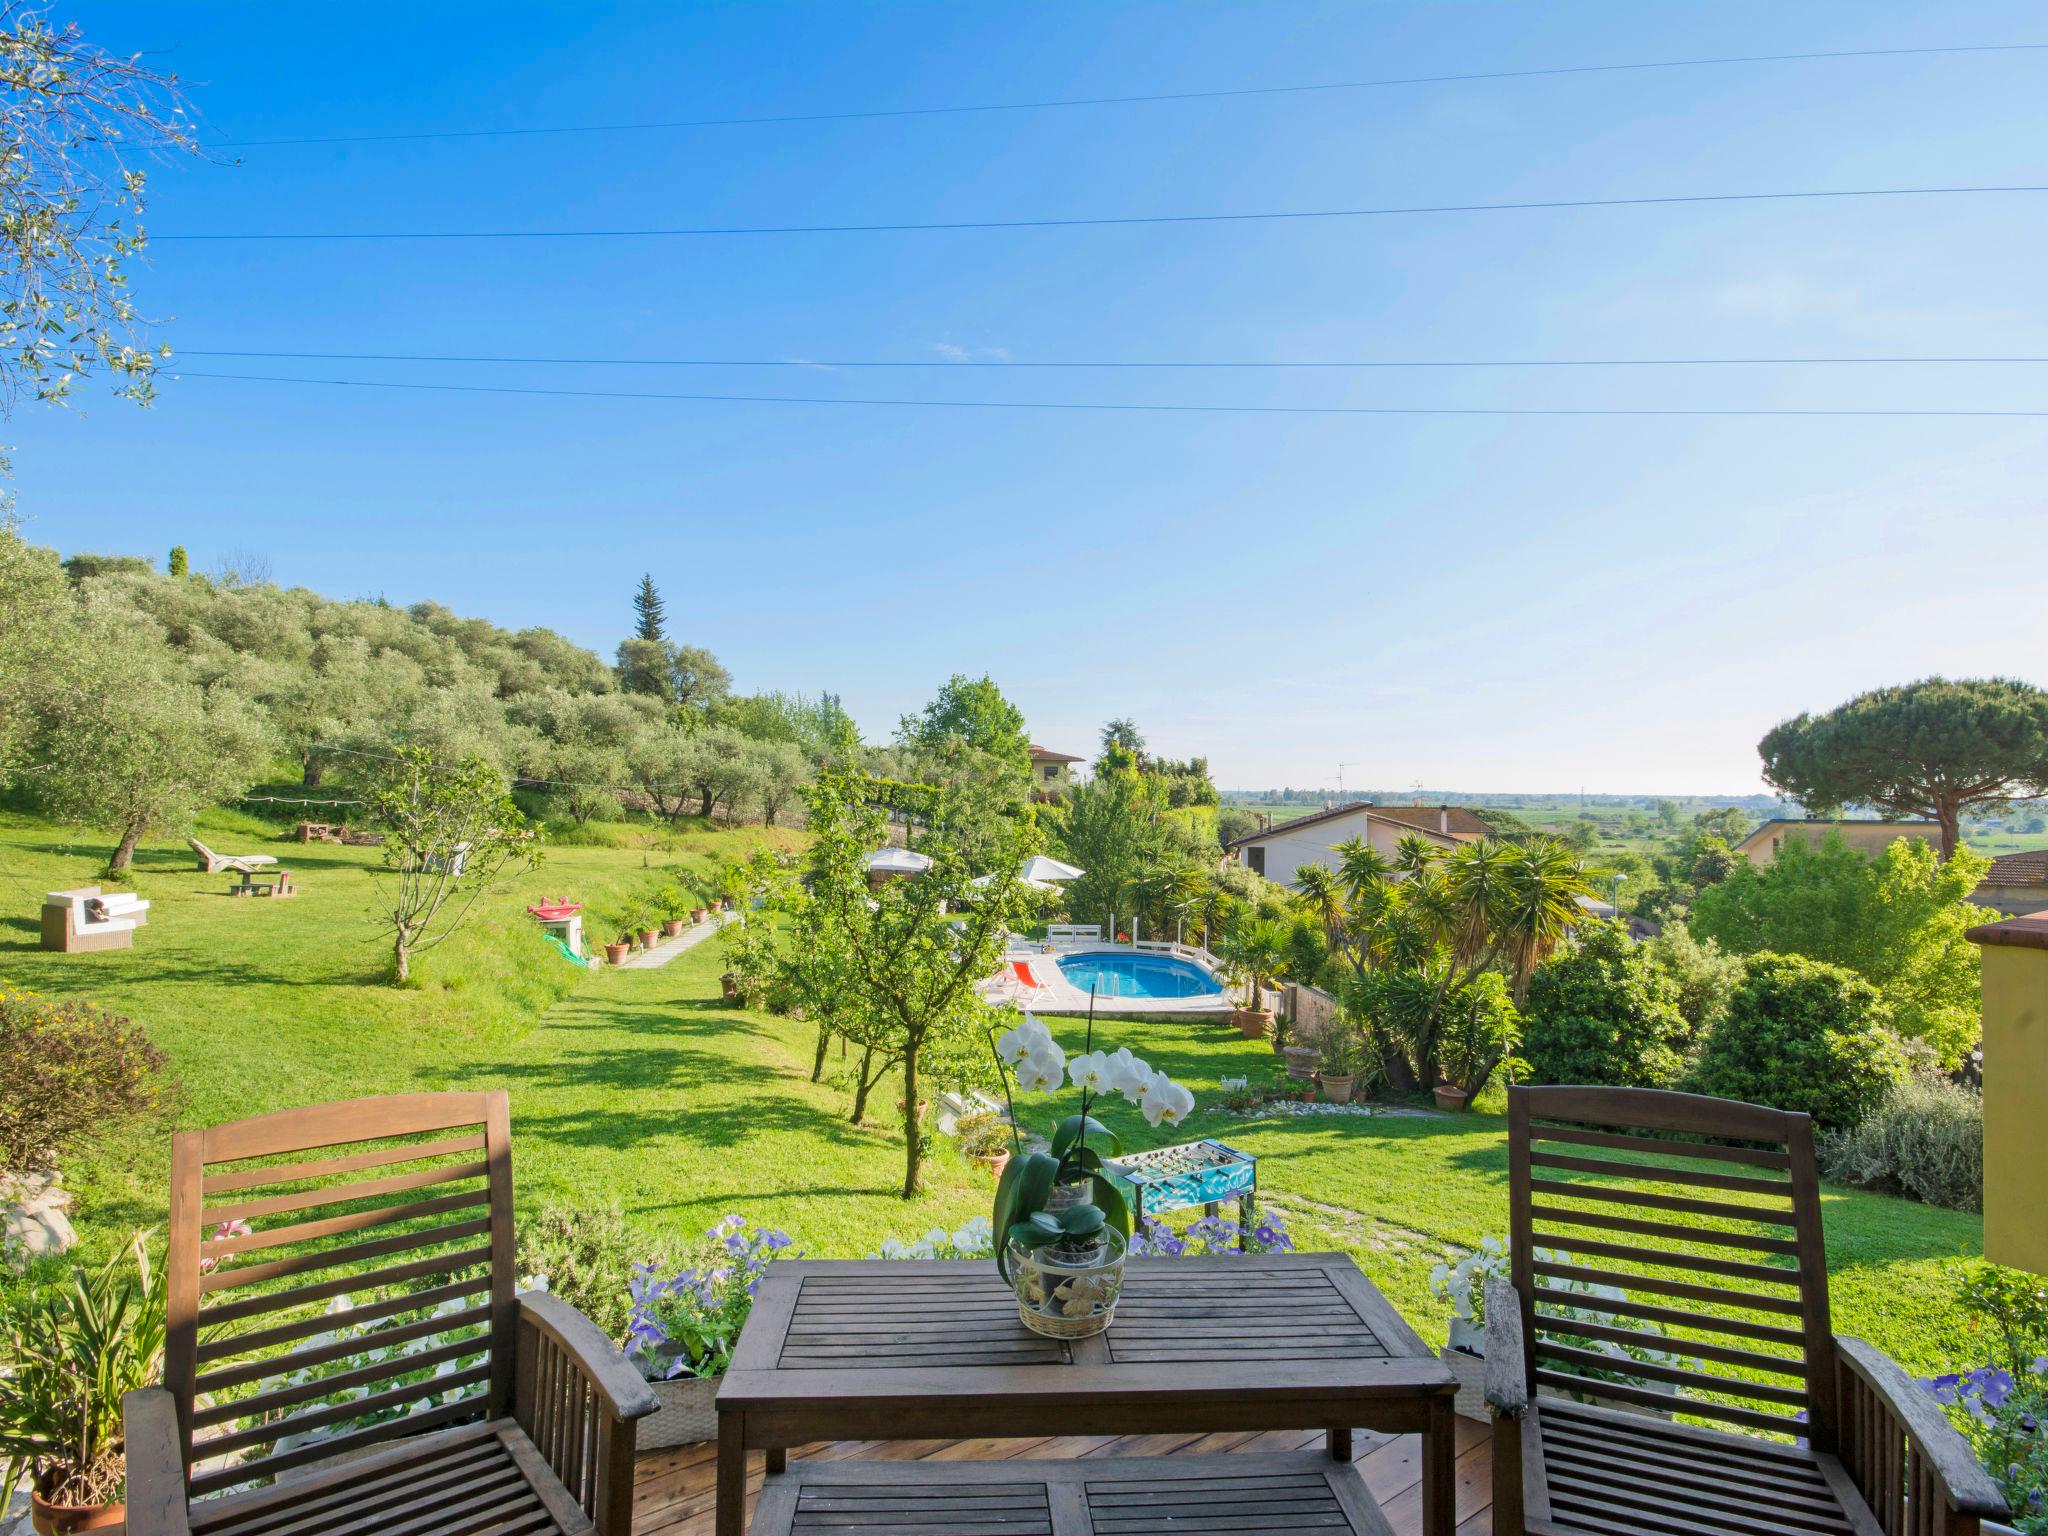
column 436, row 1403
column 1706, row 1235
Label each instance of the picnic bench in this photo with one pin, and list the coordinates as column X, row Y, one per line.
column 1699, row 1221
column 891, row 1350
column 500, row 1412
column 250, row 884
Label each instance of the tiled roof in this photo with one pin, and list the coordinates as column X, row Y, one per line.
column 1424, row 818
column 1044, row 755
column 2027, row 868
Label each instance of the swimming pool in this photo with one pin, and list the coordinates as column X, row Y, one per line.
column 1122, row 974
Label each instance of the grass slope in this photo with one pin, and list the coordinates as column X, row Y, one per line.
column 638, row 1087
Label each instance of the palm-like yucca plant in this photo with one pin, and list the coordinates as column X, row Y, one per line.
column 1256, row 949
column 1362, row 867
column 68, row 1355
column 1542, row 883
column 1318, row 892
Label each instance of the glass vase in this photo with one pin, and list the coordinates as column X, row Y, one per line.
column 1068, row 1293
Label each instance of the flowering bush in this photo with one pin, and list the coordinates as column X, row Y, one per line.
column 2002, row 1406
column 975, row 1240
column 1212, row 1234
column 687, row 1324
column 2005, row 1418
column 1464, row 1285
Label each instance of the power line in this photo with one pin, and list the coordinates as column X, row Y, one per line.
column 1190, row 364
column 1115, row 406
column 1113, row 221
column 1147, row 98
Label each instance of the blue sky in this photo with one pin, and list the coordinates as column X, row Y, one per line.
column 1619, row 604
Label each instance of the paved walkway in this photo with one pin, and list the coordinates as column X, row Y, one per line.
column 668, row 949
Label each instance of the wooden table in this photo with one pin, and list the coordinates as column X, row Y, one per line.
column 888, row 1350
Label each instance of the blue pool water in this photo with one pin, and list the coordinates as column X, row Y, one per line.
column 1123, row 974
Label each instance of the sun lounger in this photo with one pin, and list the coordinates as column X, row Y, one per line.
column 213, row 863
column 82, row 921
column 1022, row 968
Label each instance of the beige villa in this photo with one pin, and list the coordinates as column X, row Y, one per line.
column 1052, row 773
column 1276, row 852
column 1869, row 838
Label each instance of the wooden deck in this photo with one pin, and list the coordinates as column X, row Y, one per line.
column 673, row 1494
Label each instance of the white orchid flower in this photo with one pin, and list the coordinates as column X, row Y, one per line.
column 1162, row 1098
column 1093, row 1072
column 1128, row 1073
column 1042, row 1072
column 1013, row 1045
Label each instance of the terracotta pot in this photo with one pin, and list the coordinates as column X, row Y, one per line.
column 1450, row 1096
column 672, row 926
column 616, row 953
column 1252, row 1023
column 995, row 1165
column 731, row 985
column 48, row 1519
column 649, row 937
column 1337, row 1086
column 698, row 914
column 923, row 1107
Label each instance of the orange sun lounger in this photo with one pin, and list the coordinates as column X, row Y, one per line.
column 1023, row 970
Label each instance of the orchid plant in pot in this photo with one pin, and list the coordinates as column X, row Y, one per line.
column 1062, row 1226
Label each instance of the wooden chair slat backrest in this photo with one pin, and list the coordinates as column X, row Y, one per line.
column 338, row 1276
column 1667, row 1250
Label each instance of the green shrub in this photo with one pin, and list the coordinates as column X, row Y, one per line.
column 1926, row 1141
column 1601, row 1012
column 1803, row 1035
column 586, row 1258
column 70, row 1069
column 1704, row 974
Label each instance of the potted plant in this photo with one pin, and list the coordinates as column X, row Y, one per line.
column 684, row 1326
column 1339, row 1070
column 1463, row 1284
column 1062, row 1227
column 699, row 911
column 985, row 1140
column 675, row 909
column 72, row 1352
column 1254, row 949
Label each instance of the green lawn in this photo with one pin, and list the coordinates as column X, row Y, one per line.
column 640, row 1088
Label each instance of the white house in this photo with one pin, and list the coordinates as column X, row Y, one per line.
column 1276, row 852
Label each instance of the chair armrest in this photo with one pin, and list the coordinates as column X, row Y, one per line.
column 1507, row 1353
column 156, row 1465
column 617, row 1385
column 1872, row 1382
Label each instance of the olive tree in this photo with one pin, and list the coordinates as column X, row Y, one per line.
column 1933, row 748
column 129, row 743
column 449, row 832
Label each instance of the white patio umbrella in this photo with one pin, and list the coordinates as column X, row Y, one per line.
column 983, row 882
column 898, row 861
column 1039, row 867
